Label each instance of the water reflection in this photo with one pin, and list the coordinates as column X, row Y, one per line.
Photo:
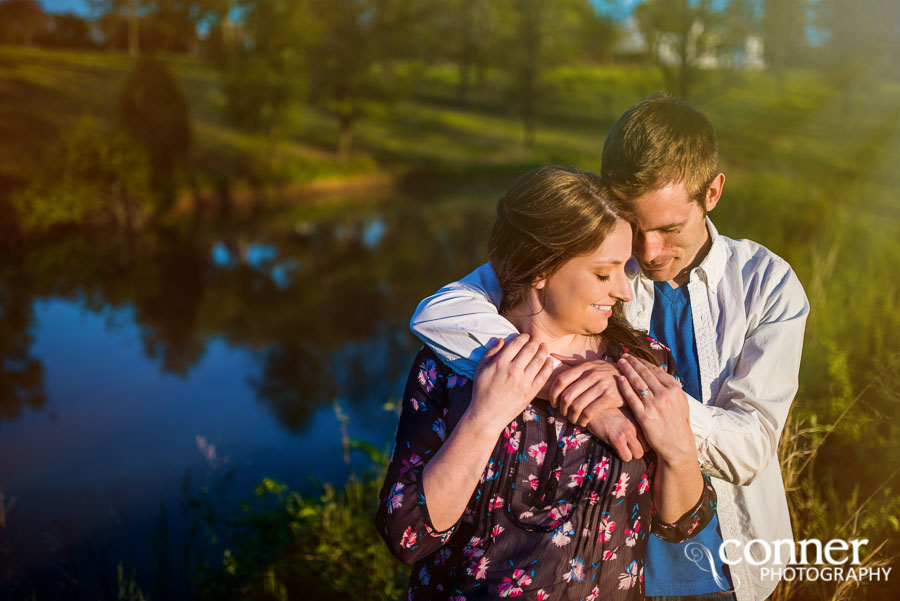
column 21, row 374
column 126, row 361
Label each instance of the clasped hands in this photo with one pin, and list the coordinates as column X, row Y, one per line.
column 632, row 405
column 591, row 394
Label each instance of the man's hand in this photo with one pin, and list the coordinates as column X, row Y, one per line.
column 618, row 428
column 584, row 391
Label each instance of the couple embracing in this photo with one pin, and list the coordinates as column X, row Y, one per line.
column 598, row 409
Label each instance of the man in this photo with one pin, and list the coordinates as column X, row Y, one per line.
column 733, row 314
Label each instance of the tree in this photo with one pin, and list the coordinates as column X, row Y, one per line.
column 90, row 176
column 686, row 36
column 66, row 31
column 21, row 20
column 784, row 26
column 264, row 67
column 171, row 25
column 678, row 33
column 464, row 32
column 541, row 33
column 352, row 64
column 154, row 111
column 114, row 13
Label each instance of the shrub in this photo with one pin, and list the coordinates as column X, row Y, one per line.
column 91, row 176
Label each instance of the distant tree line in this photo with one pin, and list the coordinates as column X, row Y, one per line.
column 353, row 58
column 339, row 47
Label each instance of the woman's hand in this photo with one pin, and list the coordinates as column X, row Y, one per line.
column 508, row 377
column 660, row 407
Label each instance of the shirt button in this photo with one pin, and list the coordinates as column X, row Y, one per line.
column 642, row 314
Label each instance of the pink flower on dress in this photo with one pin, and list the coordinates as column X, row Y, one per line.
column 454, row 380
column 573, row 441
column 601, row 471
column 513, row 436
column 428, row 375
column 542, row 595
column 409, row 538
column 562, row 510
column 533, row 481
column 538, row 452
column 578, row 477
column 495, row 503
column 563, row 534
column 496, row 531
column 631, row 534
column 610, row 555
column 644, row 484
column 656, row 345
column 629, row 577
column 512, row 586
column 395, row 501
column 408, row 464
column 594, row 498
column 576, row 571
column 595, row 594
column 529, row 414
column 605, row 530
column 488, row 474
column 621, row 486
column 479, row 568
column 473, row 548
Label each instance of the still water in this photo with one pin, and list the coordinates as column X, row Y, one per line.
column 205, row 355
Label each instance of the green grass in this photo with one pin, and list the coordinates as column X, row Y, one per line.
column 800, row 135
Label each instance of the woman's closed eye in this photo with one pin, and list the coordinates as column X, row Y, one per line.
column 602, row 277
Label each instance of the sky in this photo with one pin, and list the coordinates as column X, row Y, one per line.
column 80, row 7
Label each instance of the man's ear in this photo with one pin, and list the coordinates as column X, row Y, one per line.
column 714, row 192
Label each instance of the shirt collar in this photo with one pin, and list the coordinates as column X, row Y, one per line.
column 711, row 268
column 713, row 264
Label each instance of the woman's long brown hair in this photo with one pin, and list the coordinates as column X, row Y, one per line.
column 547, row 217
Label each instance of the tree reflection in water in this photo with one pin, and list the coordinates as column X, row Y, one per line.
column 320, row 305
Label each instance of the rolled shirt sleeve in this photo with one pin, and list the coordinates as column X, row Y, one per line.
column 460, row 321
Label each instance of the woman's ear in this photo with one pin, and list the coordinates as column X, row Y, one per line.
column 540, row 283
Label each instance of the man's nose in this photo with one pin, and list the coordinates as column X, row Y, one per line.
column 647, row 246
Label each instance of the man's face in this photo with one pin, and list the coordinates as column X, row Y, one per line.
column 671, row 235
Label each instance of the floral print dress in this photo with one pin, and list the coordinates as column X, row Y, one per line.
column 556, row 515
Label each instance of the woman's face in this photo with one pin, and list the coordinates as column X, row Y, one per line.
column 578, row 298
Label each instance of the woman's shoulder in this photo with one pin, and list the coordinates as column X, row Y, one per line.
column 428, row 357
column 431, row 372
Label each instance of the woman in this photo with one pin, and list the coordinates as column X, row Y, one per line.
column 489, row 493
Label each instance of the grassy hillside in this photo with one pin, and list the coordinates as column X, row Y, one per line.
column 801, row 135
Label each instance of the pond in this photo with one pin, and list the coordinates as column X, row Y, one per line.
column 204, row 355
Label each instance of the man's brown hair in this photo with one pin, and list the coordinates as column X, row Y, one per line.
column 660, row 141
